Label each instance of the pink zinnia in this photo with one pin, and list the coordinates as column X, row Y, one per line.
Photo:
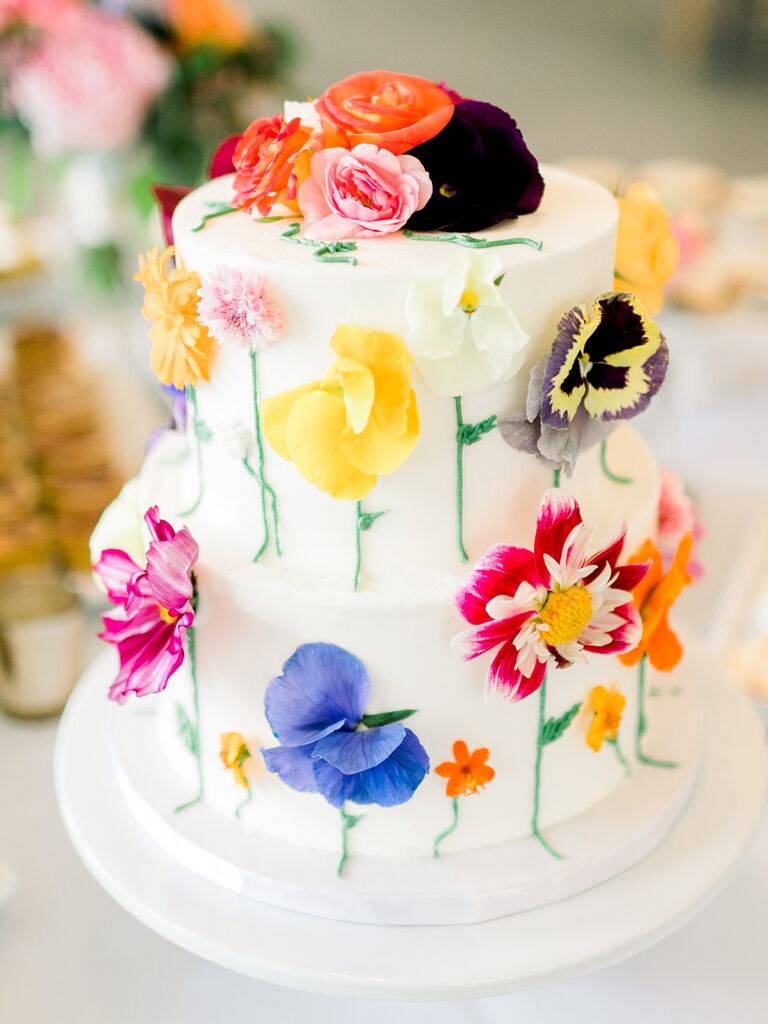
column 236, row 311
column 154, row 608
column 550, row 604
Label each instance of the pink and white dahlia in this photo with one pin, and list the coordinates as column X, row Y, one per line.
column 553, row 603
column 155, row 608
column 236, row 311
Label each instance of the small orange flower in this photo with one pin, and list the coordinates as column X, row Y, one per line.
column 606, row 708
column 467, row 772
column 182, row 348
column 234, row 753
column 653, row 597
column 208, row 23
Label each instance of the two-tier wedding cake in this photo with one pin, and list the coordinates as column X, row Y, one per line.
column 391, row 590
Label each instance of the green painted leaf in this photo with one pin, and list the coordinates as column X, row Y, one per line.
column 366, row 519
column 350, row 820
column 186, row 730
column 203, row 431
column 554, row 728
column 497, row 280
column 471, row 433
column 387, row 717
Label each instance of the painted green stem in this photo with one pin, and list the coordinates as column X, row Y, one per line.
column 260, row 476
column 358, row 543
column 620, row 755
column 471, row 241
column 242, row 803
column 556, row 474
column 642, row 724
column 192, row 396
column 348, row 821
column 606, row 468
column 192, row 650
column 537, row 772
column 460, row 481
column 451, row 828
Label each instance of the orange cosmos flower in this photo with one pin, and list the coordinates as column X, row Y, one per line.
column 182, row 348
column 606, row 707
column 467, row 772
column 653, row 597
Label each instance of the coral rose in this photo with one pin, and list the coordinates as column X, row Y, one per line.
column 362, row 193
column 264, row 159
column 647, row 253
column 387, row 109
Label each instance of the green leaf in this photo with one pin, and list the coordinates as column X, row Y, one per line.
column 350, row 820
column 387, row 717
column 186, row 730
column 554, row 728
column 366, row 519
column 497, row 280
column 470, row 433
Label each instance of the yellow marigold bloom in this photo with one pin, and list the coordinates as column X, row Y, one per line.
column 208, row 22
column 182, row 348
column 647, row 252
column 234, row 753
column 606, row 707
column 357, row 423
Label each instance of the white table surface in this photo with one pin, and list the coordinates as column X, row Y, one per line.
column 69, row 955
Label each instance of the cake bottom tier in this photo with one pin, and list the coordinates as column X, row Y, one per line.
column 465, row 884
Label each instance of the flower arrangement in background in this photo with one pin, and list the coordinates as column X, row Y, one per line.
column 464, row 337
column 236, row 757
column 653, row 597
column 605, row 365
column 328, row 743
column 467, row 774
column 236, row 310
column 548, row 607
column 155, row 608
column 357, row 423
column 647, row 252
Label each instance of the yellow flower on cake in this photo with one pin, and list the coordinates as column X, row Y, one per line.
column 182, row 348
column 647, row 253
column 359, row 422
column 234, row 754
column 606, row 708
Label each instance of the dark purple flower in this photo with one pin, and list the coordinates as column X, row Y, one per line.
column 481, row 169
column 316, row 709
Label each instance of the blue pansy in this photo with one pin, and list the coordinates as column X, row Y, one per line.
column 328, row 745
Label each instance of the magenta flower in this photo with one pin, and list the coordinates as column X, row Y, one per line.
column 155, row 608
column 364, row 192
column 550, row 604
column 236, row 311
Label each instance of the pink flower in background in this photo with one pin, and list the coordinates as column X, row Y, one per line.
column 678, row 515
column 155, row 608
column 236, row 311
column 88, row 82
column 361, row 193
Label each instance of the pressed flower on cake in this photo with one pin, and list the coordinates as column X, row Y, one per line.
column 550, row 605
column 154, row 607
column 182, row 348
column 606, row 708
column 467, row 774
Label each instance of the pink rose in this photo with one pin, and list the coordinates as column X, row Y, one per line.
column 88, row 82
column 361, row 193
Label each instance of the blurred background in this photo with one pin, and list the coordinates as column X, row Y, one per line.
column 98, row 102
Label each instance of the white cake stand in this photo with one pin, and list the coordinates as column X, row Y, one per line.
column 587, row 932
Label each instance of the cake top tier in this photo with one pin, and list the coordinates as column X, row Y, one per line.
column 573, row 212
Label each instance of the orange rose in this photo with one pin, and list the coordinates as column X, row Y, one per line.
column 396, row 112
column 264, row 159
column 647, row 253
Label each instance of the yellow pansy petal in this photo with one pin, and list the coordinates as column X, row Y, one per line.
column 601, row 402
column 357, row 389
column 377, row 451
column 389, row 360
column 274, row 416
column 313, row 438
column 635, row 355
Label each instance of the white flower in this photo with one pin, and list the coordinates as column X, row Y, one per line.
column 121, row 526
column 235, row 437
column 461, row 333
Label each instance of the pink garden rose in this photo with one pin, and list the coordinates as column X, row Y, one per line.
column 361, row 193
column 88, row 82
